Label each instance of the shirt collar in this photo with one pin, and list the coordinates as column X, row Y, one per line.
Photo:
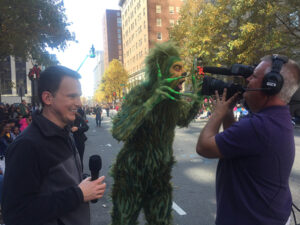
column 47, row 127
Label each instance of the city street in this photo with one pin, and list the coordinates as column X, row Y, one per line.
column 193, row 176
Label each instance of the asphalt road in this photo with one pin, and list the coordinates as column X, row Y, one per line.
column 193, row 176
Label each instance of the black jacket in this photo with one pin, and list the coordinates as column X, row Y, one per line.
column 79, row 135
column 41, row 180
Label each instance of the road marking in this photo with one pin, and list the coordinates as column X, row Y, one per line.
column 179, row 210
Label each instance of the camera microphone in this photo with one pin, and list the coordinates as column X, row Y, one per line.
column 235, row 70
column 95, row 164
column 217, row 70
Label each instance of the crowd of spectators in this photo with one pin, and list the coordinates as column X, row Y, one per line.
column 13, row 120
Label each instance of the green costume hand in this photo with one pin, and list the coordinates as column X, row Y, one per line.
column 163, row 88
column 196, row 95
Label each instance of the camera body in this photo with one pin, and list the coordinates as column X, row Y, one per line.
column 210, row 84
column 271, row 84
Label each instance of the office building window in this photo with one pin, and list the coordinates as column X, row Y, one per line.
column 5, row 76
column 158, row 22
column 159, row 36
column 119, row 22
column 171, row 9
column 177, row 9
column 158, row 9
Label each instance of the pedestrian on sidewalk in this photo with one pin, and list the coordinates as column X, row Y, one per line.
column 107, row 110
column 256, row 154
column 98, row 116
column 43, row 177
column 78, row 129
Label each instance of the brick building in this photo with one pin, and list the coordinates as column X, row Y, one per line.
column 145, row 22
column 112, row 25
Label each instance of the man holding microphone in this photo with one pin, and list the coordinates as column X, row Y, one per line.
column 43, row 182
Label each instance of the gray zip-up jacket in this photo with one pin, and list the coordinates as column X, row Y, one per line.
column 41, row 180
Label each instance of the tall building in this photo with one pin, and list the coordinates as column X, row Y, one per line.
column 99, row 69
column 145, row 22
column 14, row 81
column 112, row 36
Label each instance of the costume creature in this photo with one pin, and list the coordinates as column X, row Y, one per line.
column 146, row 124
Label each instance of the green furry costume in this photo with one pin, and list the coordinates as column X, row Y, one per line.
column 146, row 124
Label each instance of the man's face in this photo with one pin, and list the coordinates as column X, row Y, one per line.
column 255, row 99
column 16, row 131
column 65, row 102
column 177, row 70
column 7, row 128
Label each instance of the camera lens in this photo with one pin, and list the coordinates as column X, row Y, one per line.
column 210, row 85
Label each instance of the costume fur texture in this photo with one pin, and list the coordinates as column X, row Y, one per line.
column 146, row 124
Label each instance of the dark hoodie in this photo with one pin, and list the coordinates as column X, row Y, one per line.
column 41, row 180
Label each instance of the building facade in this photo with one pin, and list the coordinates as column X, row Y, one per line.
column 112, row 36
column 144, row 23
column 14, row 82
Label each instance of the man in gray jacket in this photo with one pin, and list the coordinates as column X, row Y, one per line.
column 43, row 181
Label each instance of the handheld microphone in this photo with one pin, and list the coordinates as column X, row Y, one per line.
column 95, row 164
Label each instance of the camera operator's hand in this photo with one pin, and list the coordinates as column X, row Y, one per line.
column 221, row 106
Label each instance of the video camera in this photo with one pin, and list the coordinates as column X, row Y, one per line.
column 210, row 84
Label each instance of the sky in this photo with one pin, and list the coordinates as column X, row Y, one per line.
column 86, row 18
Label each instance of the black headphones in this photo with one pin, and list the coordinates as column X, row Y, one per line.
column 273, row 81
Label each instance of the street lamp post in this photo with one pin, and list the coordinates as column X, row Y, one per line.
column 34, row 76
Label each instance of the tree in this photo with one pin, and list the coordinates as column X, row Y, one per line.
column 99, row 95
column 28, row 28
column 223, row 32
column 114, row 80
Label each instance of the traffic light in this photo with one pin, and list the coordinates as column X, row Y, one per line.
column 92, row 52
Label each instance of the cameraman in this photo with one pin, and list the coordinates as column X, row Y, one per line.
column 256, row 154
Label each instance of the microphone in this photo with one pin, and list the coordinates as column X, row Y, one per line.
column 235, row 70
column 95, row 164
column 217, row 70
